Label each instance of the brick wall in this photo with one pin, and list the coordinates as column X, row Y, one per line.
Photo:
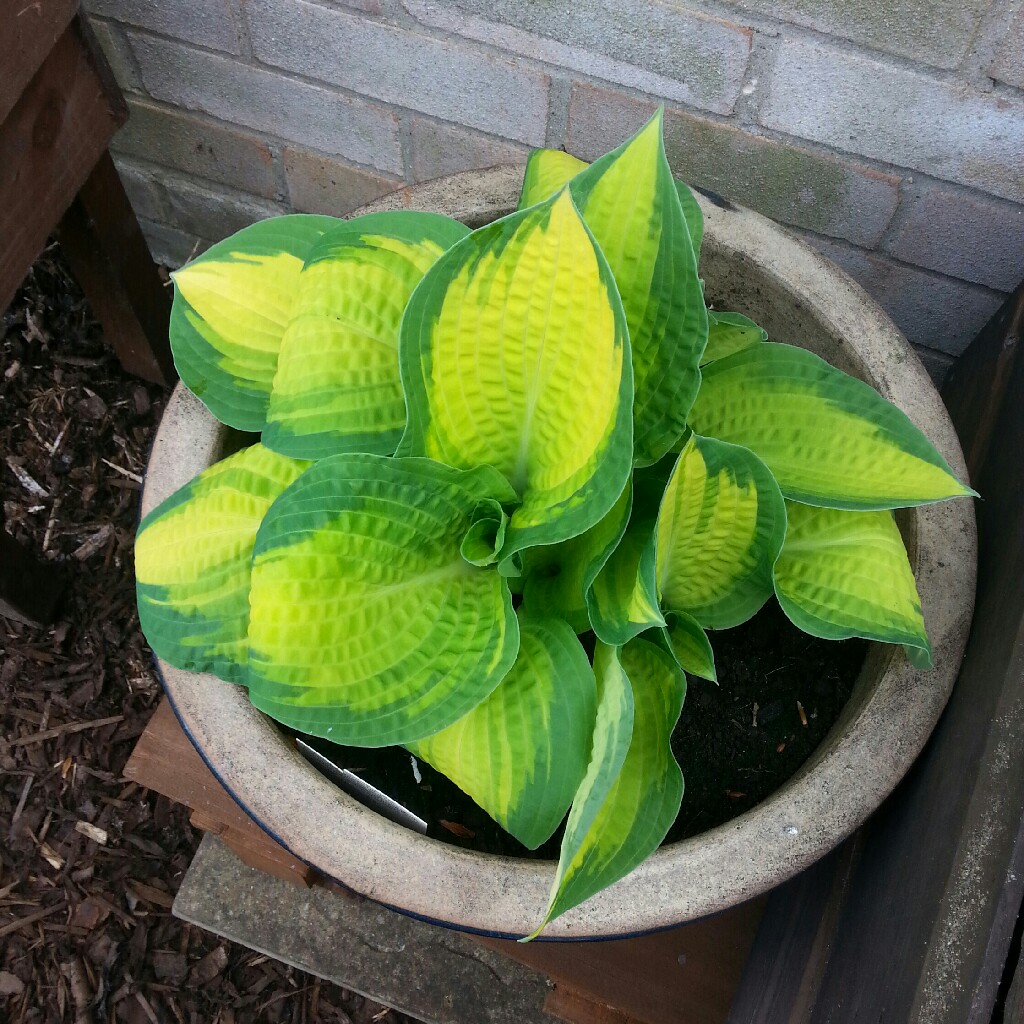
column 888, row 133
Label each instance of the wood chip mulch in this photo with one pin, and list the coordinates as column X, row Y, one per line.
column 89, row 863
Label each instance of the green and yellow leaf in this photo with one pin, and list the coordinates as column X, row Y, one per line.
column 828, row 438
column 629, row 200
column 844, row 574
column 515, row 354
column 629, row 798
column 367, row 624
column 559, row 576
column 192, row 558
column 522, row 753
column 729, row 333
column 692, row 215
column 623, row 601
column 547, row 172
column 720, row 528
column 231, row 308
column 337, row 387
column 690, row 646
column 631, row 203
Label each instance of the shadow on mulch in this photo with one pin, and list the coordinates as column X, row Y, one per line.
column 89, row 863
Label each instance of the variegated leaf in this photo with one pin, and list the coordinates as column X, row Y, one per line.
column 514, row 353
column 629, row 798
column 690, row 646
column 367, row 624
column 623, row 601
column 231, row 308
column 729, row 333
column 547, row 172
column 720, row 528
column 828, row 438
column 649, row 227
column 192, row 558
column 337, row 386
column 522, row 752
column 559, row 576
column 630, row 202
column 843, row 574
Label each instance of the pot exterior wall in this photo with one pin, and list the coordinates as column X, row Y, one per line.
column 752, row 266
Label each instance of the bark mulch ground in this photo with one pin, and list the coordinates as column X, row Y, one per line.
column 89, row 863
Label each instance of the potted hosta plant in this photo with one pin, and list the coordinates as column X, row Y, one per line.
column 505, row 483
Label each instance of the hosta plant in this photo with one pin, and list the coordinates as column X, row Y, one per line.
column 507, row 481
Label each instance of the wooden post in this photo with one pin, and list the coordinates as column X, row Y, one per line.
column 111, row 261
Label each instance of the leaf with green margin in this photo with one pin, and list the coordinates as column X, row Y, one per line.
column 559, row 576
column 547, row 172
column 623, row 600
column 692, row 215
column 720, row 528
column 844, row 574
column 337, row 387
column 630, row 202
column 689, row 645
column 515, row 354
column 521, row 754
column 192, row 561
column 485, row 535
column 729, row 333
column 231, row 307
column 828, row 438
column 627, row 801
column 367, row 625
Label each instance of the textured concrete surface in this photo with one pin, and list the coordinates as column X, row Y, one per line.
column 664, row 49
column 931, row 31
column 1008, row 65
column 212, row 23
column 936, row 312
column 444, row 77
column 431, row 973
column 199, row 146
column 833, row 117
column 753, row 266
column 257, row 98
column 118, row 53
column 788, row 183
column 975, row 238
column 210, row 211
column 144, row 192
column 319, row 184
column 879, row 110
column 172, row 246
column 438, row 149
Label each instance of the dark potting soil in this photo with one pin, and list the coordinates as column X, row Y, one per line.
column 779, row 693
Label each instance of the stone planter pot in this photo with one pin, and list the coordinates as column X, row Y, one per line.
column 753, row 266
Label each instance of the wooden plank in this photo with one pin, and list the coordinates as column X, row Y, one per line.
column 52, row 138
column 567, row 1004
column 28, row 31
column 927, row 913
column 686, row 975
column 165, row 761
column 110, row 259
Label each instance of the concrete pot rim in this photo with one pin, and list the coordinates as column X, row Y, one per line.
column 868, row 751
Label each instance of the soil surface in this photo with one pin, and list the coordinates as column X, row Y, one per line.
column 89, row 863
column 779, row 692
